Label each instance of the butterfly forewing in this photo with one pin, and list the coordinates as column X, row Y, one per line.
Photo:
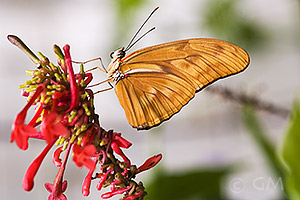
column 161, row 79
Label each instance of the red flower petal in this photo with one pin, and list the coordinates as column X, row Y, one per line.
column 121, row 141
column 112, row 193
column 73, row 84
column 52, row 127
column 87, row 181
column 103, row 178
column 149, row 163
column 49, row 187
column 117, row 149
column 82, row 156
column 21, row 132
column 56, row 159
column 33, row 168
column 133, row 197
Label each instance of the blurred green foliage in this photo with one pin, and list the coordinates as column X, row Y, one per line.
column 224, row 19
column 208, row 183
column 286, row 162
column 191, row 185
column 290, row 153
column 126, row 8
column 126, row 11
column 258, row 132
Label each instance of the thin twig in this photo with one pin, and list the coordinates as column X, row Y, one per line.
column 242, row 98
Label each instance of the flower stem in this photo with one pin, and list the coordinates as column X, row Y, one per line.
column 57, row 184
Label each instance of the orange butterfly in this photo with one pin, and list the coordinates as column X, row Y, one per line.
column 154, row 83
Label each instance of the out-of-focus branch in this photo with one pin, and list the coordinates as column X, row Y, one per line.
column 242, row 98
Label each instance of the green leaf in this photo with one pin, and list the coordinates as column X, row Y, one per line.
column 289, row 154
column 197, row 185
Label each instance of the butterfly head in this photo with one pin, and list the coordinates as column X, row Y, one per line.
column 119, row 53
column 115, row 62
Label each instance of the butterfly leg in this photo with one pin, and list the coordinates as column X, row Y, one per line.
column 108, row 81
column 103, row 68
column 106, row 89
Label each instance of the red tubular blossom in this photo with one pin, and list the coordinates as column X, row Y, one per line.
column 59, row 186
column 36, row 116
column 89, row 136
column 52, row 127
column 49, row 187
column 87, row 181
column 149, row 163
column 114, row 183
column 79, row 114
column 73, row 83
column 82, row 156
column 115, row 147
column 121, row 141
column 135, row 196
column 25, row 94
column 38, row 136
column 20, row 131
column 103, row 178
column 58, row 95
column 103, row 156
column 80, row 121
column 65, row 100
column 112, row 193
column 33, row 168
column 86, row 137
column 124, row 171
column 89, row 78
column 56, row 160
column 65, row 113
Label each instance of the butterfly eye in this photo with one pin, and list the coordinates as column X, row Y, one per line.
column 121, row 53
column 111, row 54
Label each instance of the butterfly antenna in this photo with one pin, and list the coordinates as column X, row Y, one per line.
column 128, row 47
column 132, row 39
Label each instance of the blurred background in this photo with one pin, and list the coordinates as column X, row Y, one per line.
column 209, row 149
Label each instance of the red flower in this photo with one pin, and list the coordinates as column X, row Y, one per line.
column 115, row 192
column 73, row 84
column 65, row 112
column 82, row 156
column 103, row 178
column 121, row 141
column 115, row 147
column 33, row 168
column 149, row 163
column 56, row 160
column 20, row 131
column 135, row 196
column 87, row 181
column 53, row 196
column 59, row 186
column 52, row 127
